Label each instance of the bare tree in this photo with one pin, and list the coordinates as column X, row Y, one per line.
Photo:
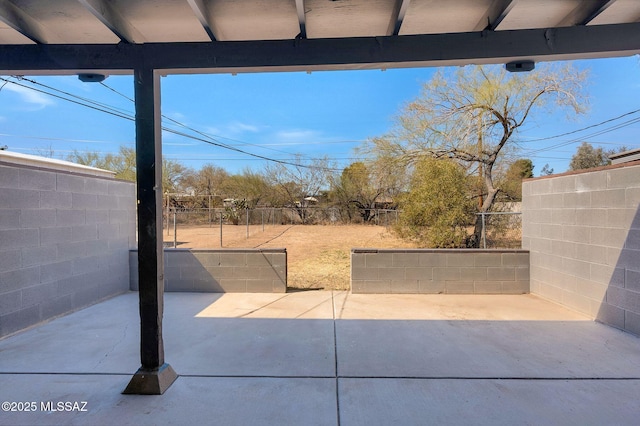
column 45, row 151
column 250, row 186
column 297, row 185
column 208, row 181
column 471, row 114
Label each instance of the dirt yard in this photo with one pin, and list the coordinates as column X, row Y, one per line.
column 318, row 256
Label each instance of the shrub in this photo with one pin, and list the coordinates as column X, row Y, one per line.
column 436, row 209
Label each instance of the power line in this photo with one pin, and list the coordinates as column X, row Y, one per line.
column 102, row 83
column 117, row 114
column 83, row 101
column 63, row 139
column 113, row 111
column 231, row 148
column 211, row 137
column 584, row 128
column 106, row 108
column 215, row 138
column 581, row 139
column 187, row 158
column 346, row 141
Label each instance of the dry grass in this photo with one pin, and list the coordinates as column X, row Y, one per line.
column 318, row 256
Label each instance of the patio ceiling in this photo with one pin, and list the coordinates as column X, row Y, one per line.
column 182, row 36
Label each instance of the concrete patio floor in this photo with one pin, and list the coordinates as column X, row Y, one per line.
column 329, row 358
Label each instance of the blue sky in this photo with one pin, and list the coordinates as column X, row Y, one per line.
column 279, row 115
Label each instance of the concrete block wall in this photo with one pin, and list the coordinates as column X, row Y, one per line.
column 439, row 271
column 583, row 232
column 64, row 241
column 221, row 270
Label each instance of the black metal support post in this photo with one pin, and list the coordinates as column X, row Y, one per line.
column 154, row 376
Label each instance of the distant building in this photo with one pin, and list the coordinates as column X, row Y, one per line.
column 625, row 157
column 37, row 161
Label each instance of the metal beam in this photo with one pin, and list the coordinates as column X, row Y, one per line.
column 484, row 47
column 302, row 18
column 154, row 376
column 107, row 13
column 21, row 22
column 202, row 13
column 498, row 10
column 399, row 10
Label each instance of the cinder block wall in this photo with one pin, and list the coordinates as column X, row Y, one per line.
column 583, row 232
column 221, row 270
column 439, row 271
column 64, row 242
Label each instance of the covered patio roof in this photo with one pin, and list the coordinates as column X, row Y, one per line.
column 150, row 38
column 204, row 36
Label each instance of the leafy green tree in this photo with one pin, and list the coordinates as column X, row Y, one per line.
column 512, row 183
column 470, row 114
column 123, row 163
column 436, row 210
column 359, row 188
column 173, row 174
column 587, row 157
column 250, row 186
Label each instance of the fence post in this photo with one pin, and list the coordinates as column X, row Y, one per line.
column 262, row 215
column 484, row 231
column 168, row 222
column 221, row 229
column 175, row 228
column 168, row 210
column 247, row 213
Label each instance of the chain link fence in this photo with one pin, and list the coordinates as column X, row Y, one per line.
column 231, row 221
column 499, row 229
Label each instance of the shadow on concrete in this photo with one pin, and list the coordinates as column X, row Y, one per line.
column 299, row 289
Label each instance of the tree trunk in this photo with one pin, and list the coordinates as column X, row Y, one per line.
column 492, row 191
